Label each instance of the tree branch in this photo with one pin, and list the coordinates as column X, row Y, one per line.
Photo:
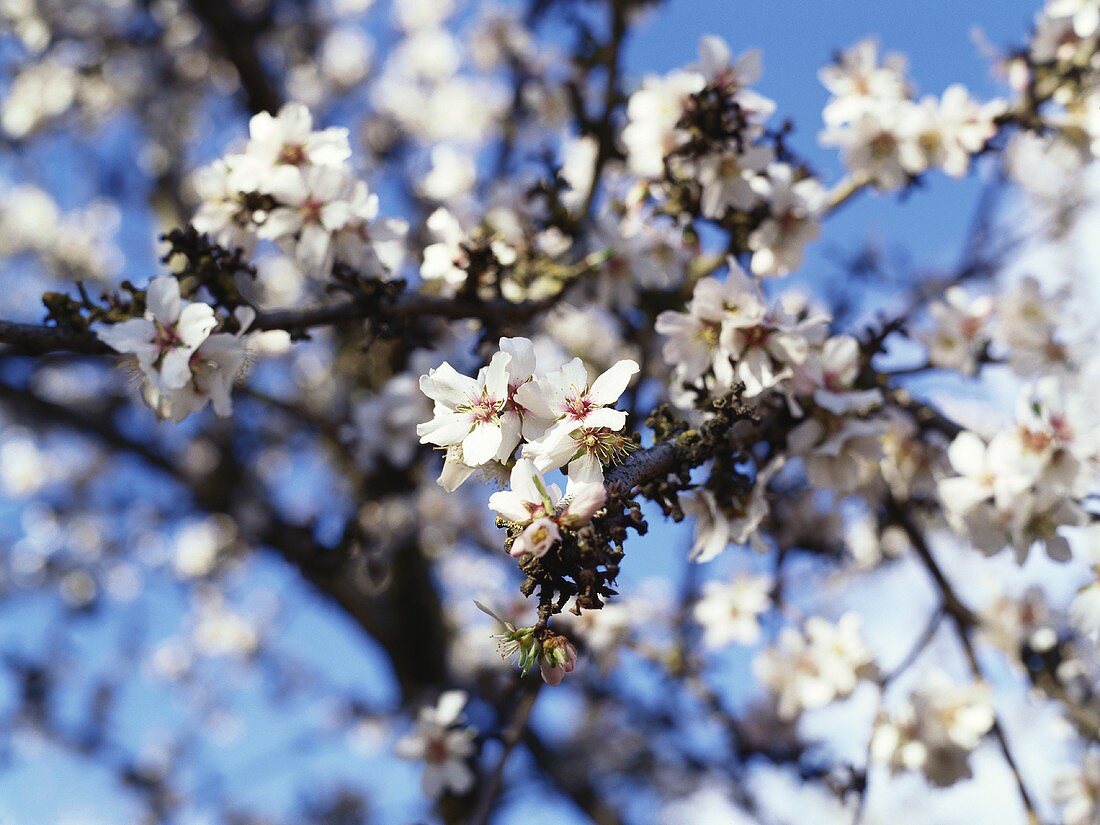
column 235, row 38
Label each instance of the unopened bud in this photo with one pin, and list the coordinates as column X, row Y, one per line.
column 559, row 657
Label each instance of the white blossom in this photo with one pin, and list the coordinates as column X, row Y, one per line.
column 936, row 730
column 811, row 668
column 794, row 211
column 166, row 337
column 443, row 744
column 730, row 611
column 472, row 412
column 583, row 416
column 653, row 113
column 289, row 138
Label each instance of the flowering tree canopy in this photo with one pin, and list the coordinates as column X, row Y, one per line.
column 362, row 461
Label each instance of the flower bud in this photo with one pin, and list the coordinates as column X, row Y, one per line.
column 585, row 499
column 538, row 537
column 559, row 657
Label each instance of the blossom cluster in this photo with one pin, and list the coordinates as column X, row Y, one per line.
column 294, row 185
column 184, row 364
column 734, row 171
column 935, row 730
column 555, row 419
column 889, row 138
column 811, row 667
column 1027, row 482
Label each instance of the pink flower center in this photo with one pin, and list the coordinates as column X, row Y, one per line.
column 579, row 406
column 293, row 154
column 436, row 751
column 167, row 337
column 483, row 408
column 312, row 210
column 1062, row 429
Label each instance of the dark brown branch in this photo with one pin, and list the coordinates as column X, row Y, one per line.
column 235, row 38
column 510, row 738
column 38, row 339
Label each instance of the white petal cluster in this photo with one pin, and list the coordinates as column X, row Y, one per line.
column 730, row 335
column 541, row 509
column 294, row 185
column 734, row 173
column 935, row 731
column 840, row 441
column 1025, row 483
column 960, row 331
column 888, row 137
column 814, row 666
column 184, row 364
column 729, row 612
column 718, row 524
column 444, row 744
column 1077, row 791
column 794, row 209
column 561, row 417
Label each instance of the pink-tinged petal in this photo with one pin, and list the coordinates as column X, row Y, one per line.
column 608, row 387
column 131, row 335
column 587, row 499
column 604, row 417
column 481, row 445
column 194, row 325
column 536, row 539
column 162, row 299
column 552, row 675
